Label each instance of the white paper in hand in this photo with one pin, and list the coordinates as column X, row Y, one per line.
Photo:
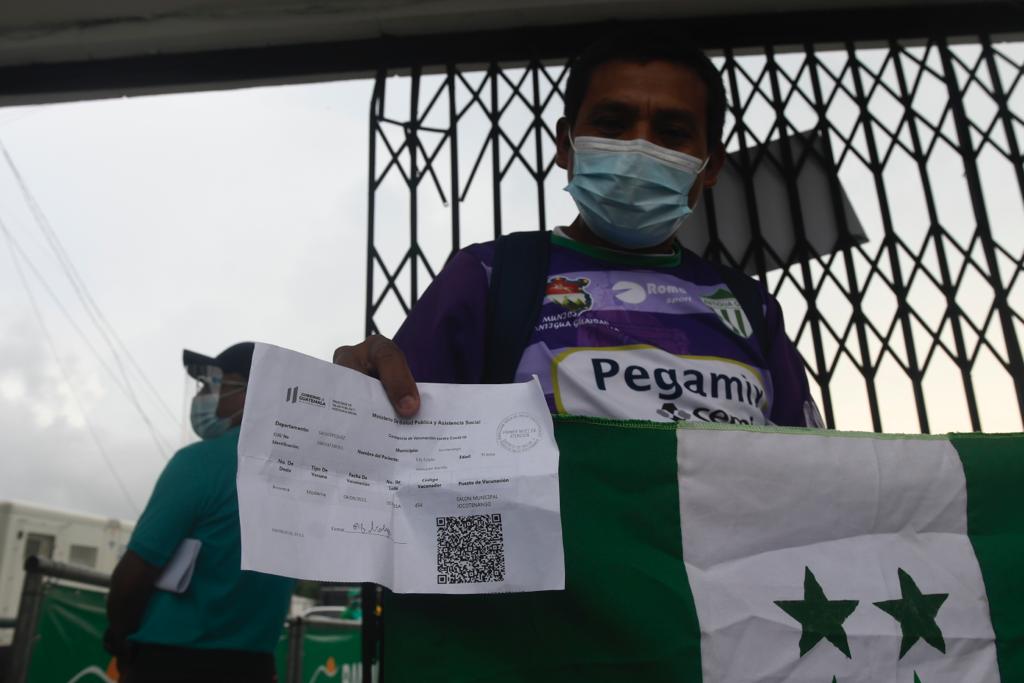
column 177, row 574
column 334, row 486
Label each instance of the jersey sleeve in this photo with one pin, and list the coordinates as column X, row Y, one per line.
column 443, row 336
column 176, row 504
column 793, row 405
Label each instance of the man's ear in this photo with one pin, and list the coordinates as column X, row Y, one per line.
column 562, row 147
column 715, row 164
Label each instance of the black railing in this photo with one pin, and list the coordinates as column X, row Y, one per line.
column 37, row 571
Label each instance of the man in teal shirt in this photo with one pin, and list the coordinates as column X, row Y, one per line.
column 225, row 625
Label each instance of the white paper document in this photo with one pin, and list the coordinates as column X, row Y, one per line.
column 177, row 573
column 334, row 486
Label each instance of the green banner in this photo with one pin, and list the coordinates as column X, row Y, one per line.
column 69, row 644
column 69, row 640
column 330, row 654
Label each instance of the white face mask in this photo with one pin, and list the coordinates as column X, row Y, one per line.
column 205, row 422
column 632, row 193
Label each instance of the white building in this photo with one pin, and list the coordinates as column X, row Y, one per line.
column 82, row 540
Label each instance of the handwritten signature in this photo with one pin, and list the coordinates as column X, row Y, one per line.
column 374, row 528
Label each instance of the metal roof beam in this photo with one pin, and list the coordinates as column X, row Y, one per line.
column 220, row 69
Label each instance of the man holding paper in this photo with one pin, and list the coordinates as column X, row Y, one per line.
column 619, row 321
column 179, row 607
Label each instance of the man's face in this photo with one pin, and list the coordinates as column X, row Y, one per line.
column 661, row 102
column 232, row 396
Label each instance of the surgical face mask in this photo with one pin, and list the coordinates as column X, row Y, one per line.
column 205, row 421
column 632, row 193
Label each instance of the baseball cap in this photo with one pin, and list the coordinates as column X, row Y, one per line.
column 237, row 359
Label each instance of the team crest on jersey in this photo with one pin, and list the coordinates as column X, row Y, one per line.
column 729, row 311
column 571, row 295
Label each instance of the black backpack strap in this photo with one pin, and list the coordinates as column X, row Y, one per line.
column 519, row 275
column 748, row 295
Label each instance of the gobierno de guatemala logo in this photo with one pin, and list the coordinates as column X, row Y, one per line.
column 293, row 395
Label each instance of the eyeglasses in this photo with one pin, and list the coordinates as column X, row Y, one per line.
column 207, row 375
column 210, row 378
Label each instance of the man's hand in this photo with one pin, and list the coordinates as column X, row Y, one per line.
column 379, row 357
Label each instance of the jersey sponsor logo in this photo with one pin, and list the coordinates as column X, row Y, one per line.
column 635, row 293
column 647, row 383
column 729, row 311
column 629, row 292
column 672, row 294
column 571, row 295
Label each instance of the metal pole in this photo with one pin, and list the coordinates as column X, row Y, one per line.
column 376, row 111
column 59, row 570
column 296, row 630
column 413, row 142
column 538, row 142
column 495, row 149
column 25, row 623
column 32, row 592
column 453, row 147
column 371, row 629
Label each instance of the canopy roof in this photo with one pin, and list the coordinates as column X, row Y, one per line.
column 63, row 49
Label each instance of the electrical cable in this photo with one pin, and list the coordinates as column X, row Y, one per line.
column 66, row 265
column 67, row 315
column 99, row 320
column 64, row 373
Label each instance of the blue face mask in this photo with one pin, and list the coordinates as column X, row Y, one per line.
column 205, row 421
column 632, row 193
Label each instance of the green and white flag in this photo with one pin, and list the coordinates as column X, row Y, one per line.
column 743, row 554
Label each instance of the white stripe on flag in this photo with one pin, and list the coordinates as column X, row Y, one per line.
column 759, row 508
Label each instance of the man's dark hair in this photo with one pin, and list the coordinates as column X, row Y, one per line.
column 641, row 49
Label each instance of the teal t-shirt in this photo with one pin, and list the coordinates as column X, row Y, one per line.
column 223, row 607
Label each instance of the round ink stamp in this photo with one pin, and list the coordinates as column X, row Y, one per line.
column 518, row 432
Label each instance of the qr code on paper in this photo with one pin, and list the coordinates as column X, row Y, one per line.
column 470, row 549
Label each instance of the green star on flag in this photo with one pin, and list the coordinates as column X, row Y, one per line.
column 818, row 616
column 916, row 614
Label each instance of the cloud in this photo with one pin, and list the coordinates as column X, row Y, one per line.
column 49, row 454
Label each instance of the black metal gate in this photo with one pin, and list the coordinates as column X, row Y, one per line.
column 915, row 329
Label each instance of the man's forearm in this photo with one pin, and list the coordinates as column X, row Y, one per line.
column 124, row 611
column 131, row 587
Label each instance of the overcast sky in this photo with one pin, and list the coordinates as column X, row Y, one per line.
column 195, row 221
column 200, row 220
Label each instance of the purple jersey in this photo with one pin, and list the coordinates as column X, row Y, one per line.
column 624, row 336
